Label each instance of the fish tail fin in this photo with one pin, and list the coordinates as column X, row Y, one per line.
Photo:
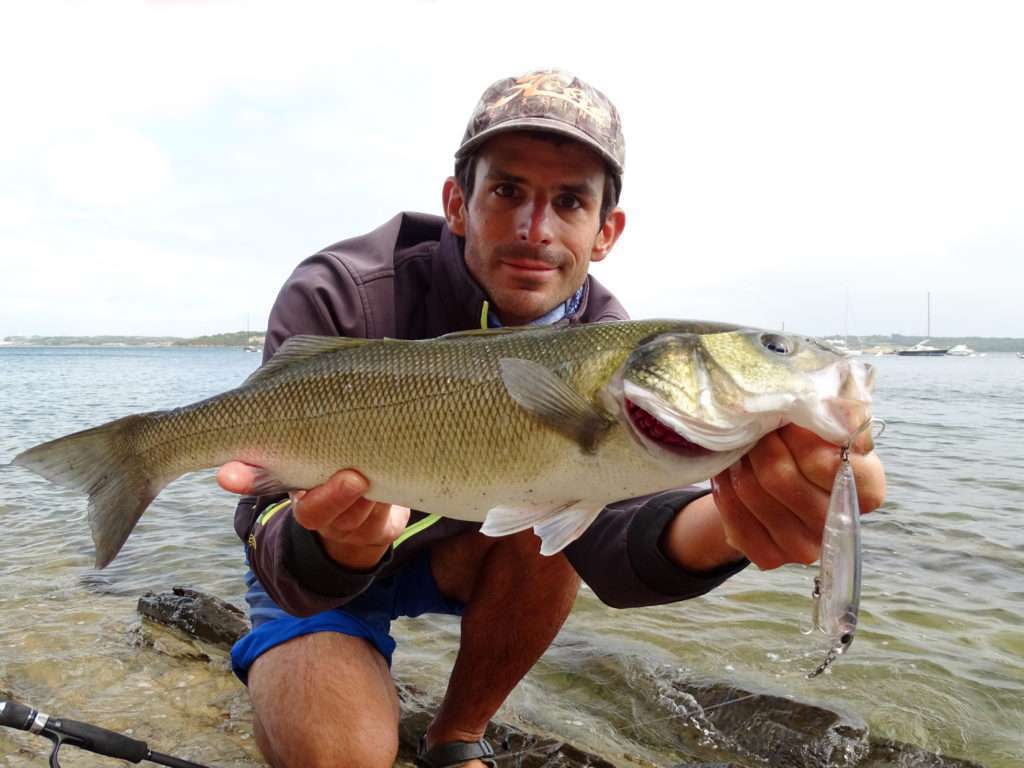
column 100, row 462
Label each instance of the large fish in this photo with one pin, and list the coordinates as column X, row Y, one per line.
column 518, row 428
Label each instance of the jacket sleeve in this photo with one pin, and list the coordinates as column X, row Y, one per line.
column 620, row 556
column 319, row 298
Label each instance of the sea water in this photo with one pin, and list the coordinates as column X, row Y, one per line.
column 938, row 659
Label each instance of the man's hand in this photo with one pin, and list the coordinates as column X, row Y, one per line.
column 771, row 505
column 354, row 531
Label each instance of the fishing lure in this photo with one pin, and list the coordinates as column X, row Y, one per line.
column 836, row 593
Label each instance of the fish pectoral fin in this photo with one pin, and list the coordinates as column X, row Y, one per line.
column 506, row 520
column 298, row 349
column 557, row 525
column 265, row 483
column 541, row 392
column 560, row 530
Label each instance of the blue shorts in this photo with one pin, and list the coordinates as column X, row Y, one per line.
column 411, row 591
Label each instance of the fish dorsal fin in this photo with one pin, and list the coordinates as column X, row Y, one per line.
column 297, row 349
column 539, row 390
column 483, row 333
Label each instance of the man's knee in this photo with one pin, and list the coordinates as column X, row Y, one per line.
column 356, row 753
column 324, row 700
column 461, row 563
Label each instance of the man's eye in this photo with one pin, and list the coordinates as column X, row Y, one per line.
column 505, row 190
column 568, row 201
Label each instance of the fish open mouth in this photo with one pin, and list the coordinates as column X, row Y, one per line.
column 662, row 434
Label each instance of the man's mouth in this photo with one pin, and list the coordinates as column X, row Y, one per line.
column 529, row 265
column 659, row 433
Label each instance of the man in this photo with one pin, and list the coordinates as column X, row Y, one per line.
column 532, row 203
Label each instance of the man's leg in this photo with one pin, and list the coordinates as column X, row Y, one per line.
column 515, row 600
column 324, row 699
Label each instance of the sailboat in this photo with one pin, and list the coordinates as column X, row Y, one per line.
column 922, row 349
column 842, row 343
column 249, row 346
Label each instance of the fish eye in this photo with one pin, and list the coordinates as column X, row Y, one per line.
column 780, row 345
column 846, row 639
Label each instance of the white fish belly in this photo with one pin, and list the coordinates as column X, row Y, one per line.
column 621, row 469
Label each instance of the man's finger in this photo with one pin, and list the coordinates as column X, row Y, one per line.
column 743, row 531
column 322, row 504
column 796, row 541
column 817, row 458
column 236, row 477
column 870, row 477
column 777, row 471
column 819, row 462
column 381, row 525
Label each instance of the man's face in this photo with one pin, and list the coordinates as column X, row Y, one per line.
column 533, row 224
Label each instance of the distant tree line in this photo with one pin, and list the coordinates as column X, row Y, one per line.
column 255, row 338
column 236, row 339
column 977, row 343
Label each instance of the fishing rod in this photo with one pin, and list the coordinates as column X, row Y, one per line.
column 91, row 738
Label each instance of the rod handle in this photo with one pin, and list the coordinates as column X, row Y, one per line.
column 100, row 740
column 15, row 715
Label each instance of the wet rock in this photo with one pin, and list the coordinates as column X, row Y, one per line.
column 784, row 732
column 203, row 616
column 169, row 641
column 520, row 749
column 886, row 752
column 753, row 730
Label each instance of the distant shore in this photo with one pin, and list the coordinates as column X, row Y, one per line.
column 254, row 340
column 246, row 339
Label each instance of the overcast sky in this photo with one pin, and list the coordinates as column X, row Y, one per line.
column 164, row 165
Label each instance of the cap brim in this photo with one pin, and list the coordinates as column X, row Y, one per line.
column 545, row 124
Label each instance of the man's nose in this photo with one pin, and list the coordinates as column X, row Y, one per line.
column 534, row 225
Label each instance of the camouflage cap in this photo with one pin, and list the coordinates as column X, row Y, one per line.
column 548, row 100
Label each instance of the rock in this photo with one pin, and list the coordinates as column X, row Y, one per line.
column 753, row 730
column 198, row 615
column 785, row 732
column 530, row 750
column 886, row 752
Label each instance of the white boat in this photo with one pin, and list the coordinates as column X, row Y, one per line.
column 922, row 349
column 961, row 350
column 1020, row 355
column 842, row 348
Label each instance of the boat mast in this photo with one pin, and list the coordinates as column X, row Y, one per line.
column 929, row 334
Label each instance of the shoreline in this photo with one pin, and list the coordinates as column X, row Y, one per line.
column 868, row 345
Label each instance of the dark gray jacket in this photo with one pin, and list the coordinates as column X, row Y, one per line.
column 408, row 280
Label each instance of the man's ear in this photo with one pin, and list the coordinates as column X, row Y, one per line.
column 454, row 206
column 608, row 234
